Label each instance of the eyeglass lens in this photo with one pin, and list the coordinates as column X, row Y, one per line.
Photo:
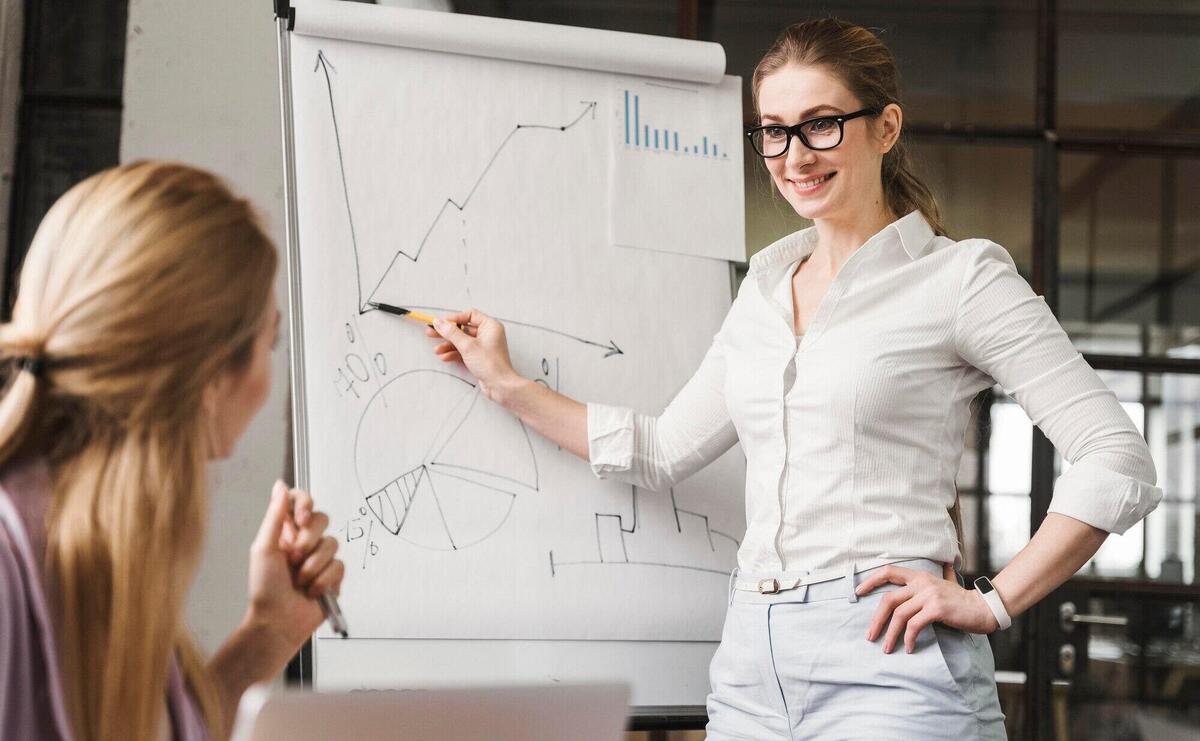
column 820, row 133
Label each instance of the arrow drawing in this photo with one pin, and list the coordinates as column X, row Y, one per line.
column 323, row 65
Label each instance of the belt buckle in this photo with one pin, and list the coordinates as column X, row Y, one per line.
column 768, row 586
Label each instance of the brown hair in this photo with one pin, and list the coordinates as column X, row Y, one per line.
column 866, row 67
column 143, row 282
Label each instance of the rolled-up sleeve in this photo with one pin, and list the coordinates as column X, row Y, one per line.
column 657, row 452
column 1007, row 331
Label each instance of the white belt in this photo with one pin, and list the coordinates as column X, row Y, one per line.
column 773, row 585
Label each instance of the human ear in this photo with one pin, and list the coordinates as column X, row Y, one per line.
column 891, row 120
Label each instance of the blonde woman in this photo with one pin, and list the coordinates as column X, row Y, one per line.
column 845, row 369
column 138, row 351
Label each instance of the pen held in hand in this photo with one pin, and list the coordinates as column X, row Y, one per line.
column 415, row 315
column 333, row 614
column 329, row 604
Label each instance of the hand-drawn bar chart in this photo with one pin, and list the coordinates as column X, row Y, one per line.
column 670, row 145
column 640, row 134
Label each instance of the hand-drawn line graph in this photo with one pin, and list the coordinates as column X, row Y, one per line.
column 612, row 547
column 455, row 494
column 451, row 205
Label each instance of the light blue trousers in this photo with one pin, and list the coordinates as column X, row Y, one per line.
column 797, row 665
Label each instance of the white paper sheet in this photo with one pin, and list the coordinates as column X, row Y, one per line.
column 521, row 41
column 437, row 181
column 676, row 159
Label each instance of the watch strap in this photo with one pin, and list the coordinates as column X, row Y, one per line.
column 983, row 585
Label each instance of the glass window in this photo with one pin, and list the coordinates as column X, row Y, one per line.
column 1129, row 254
column 962, row 62
column 635, row 16
column 63, row 145
column 1135, row 678
column 1165, row 408
column 1010, row 441
column 1122, row 64
column 998, row 207
column 76, row 48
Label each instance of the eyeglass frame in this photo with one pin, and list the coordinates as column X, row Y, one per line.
column 794, row 131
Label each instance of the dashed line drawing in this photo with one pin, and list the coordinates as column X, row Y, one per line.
column 451, row 204
column 611, row 557
column 452, row 496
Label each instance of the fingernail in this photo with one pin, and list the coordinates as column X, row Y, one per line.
column 907, row 650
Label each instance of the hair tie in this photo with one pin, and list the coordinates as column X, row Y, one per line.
column 31, row 364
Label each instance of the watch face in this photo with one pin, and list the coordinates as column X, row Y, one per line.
column 983, row 584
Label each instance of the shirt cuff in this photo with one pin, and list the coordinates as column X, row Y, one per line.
column 610, row 439
column 1102, row 497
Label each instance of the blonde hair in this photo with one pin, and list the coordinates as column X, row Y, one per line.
column 142, row 283
column 866, row 67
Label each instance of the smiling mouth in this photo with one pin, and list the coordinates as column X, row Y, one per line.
column 811, row 183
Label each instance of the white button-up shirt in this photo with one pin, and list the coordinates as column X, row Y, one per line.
column 853, row 433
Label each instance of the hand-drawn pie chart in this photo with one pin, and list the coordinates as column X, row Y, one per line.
column 438, row 464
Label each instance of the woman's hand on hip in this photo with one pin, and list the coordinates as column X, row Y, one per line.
column 291, row 565
column 482, row 348
column 922, row 598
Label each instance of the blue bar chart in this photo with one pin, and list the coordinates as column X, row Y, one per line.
column 640, row 134
column 676, row 161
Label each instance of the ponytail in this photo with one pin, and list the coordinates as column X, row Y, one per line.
column 905, row 192
column 21, row 392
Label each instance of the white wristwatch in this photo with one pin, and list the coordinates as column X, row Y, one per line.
column 984, row 586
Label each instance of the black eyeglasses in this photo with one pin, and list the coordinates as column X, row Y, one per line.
column 822, row 132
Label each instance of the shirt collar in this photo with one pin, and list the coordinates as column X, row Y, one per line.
column 915, row 233
column 913, row 230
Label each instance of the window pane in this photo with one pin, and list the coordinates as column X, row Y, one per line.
column 998, row 207
column 1130, row 252
column 962, row 62
column 77, row 47
column 1128, row 65
column 1137, row 680
column 640, row 16
column 1010, row 442
column 1166, row 409
column 64, row 144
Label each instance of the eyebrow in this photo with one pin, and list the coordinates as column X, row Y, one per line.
column 806, row 115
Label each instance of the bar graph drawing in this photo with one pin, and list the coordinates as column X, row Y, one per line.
column 639, row 134
column 701, row 547
column 676, row 156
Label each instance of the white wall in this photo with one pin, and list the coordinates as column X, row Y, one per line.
column 201, row 87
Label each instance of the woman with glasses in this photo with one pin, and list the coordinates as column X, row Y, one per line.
column 845, row 369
